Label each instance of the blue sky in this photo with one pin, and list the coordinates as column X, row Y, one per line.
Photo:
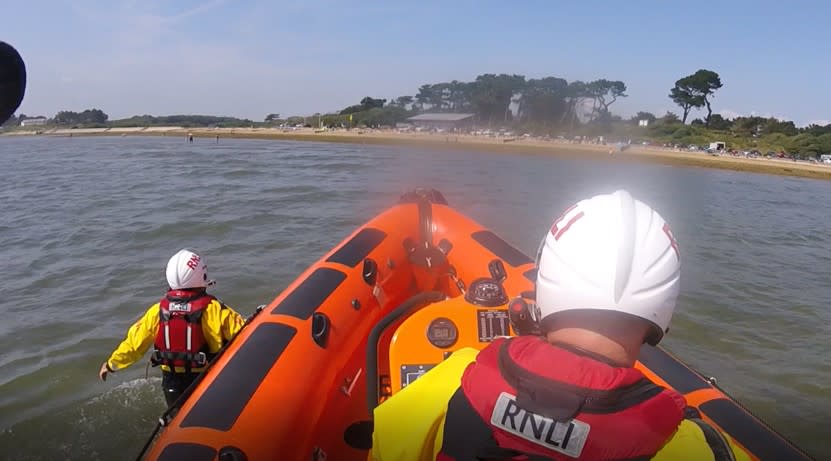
column 251, row 58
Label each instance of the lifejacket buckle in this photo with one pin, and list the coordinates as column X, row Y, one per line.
column 201, row 359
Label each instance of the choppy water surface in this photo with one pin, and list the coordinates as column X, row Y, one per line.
column 87, row 225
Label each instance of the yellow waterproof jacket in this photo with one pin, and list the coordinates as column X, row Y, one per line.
column 423, row 405
column 219, row 323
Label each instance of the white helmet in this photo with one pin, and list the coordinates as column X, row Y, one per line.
column 614, row 253
column 187, row 269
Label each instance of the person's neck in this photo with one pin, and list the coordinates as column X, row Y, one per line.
column 621, row 352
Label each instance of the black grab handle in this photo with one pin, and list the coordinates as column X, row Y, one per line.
column 418, row 301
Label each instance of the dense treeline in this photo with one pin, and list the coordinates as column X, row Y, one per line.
column 546, row 106
column 549, row 103
column 96, row 118
column 87, row 118
column 504, row 98
column 555, row 107
column 187, row 121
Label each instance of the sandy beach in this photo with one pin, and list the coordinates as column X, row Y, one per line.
column 450, row 141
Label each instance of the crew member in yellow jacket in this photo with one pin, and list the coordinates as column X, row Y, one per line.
column 187, row 328
column 566, row 388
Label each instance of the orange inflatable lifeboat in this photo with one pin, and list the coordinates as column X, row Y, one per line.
column 391, row 301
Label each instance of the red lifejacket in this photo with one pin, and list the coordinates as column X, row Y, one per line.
column 180, row 341
column 524, row 398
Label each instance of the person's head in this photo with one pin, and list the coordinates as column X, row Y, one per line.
column 609, row 266
column 186, row 270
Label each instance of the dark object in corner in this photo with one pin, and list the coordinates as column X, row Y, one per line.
column 12, row 81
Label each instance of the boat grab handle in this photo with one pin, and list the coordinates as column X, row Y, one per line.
column 411, row 304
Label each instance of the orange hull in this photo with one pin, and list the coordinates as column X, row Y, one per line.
column 298, row 382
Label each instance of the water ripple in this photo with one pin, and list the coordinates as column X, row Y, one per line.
column 87, row 225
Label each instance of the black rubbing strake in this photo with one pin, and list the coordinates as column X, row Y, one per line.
column 678, row 376
column 762, row 442
column 359, row 247
column 310, row 294
column 221, row 404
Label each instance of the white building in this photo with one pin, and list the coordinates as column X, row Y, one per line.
column 33, row 121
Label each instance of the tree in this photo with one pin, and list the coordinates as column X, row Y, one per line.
column 685, row 95
column 577, row 92
column 430, row 95
column 816, row 130
column 670, row 118
column 458, row 96
column 272, row 117
column 718, row 122
column 694, row 91
column 89, row 117
column 366, row 104
column 773, row 125
column 644, row 116
column 748, row 126
column 372, row 103
column 600, row 90
column 491, row 95
column 706, row 82
column 402, row 101
column 543, row 100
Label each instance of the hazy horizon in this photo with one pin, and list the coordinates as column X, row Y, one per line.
column 249, row 59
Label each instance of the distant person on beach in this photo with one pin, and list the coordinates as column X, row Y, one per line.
column 187, row 327
column 190, row 137
column 217, row 139
column 566, row 388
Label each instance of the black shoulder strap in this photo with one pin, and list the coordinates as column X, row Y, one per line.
column 467, row 437
column 562, row 401
column 718, row 444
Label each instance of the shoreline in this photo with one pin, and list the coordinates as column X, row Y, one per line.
column 450, row 141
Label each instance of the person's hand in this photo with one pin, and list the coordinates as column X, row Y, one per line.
column 104, row 371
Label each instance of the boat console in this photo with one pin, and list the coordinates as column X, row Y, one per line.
column 434, row 332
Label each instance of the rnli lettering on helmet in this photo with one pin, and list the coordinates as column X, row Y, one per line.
column 672, row 241
column 193, row 262
column 179, row 307
column 563, row 437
